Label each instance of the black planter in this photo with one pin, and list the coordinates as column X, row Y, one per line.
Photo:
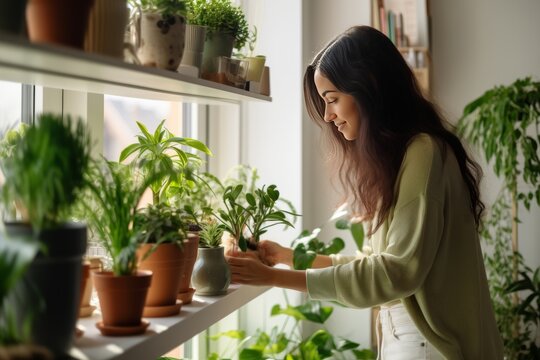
column 12, row 16
column 55, row 275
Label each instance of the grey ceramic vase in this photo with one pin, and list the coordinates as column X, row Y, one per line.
column 211, row 274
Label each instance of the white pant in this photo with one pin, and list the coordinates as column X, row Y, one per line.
column 401, row 340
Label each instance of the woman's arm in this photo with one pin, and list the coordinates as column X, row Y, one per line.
column 249, row 271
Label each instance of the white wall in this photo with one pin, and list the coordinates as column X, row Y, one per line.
column 323, row 20
column 475, row 46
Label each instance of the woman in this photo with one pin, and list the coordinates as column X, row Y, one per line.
column 414, row 184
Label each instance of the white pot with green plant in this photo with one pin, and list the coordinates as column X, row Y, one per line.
column 114, row 193
column 256, row 62
column 504, row 123
column 160, row 28
column 45, row 174
column 211, row 273
column 227, row 28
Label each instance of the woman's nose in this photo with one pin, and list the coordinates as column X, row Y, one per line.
column 329, row 116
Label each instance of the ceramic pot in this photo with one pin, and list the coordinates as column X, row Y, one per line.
column 60, row 22
column 106, row 28
column 161, row 40
column 194, row 48
column 211, row 274
column 255, row 68
column 121, row 298
column 55, row 277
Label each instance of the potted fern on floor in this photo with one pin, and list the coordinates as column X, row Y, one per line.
column 44, row 177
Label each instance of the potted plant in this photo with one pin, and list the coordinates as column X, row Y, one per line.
column 44, row 177
column 160, row 30
column 256, row 63
column 503, row 122
column 211, row 274
column 162, row 232
column 226, row 28
column 61, row 22
column 162, row 150
column 15, row 257
column 114, row 193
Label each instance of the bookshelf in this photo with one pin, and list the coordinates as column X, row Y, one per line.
column 405, row 22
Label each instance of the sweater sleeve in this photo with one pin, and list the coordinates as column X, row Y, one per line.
column 412, row 241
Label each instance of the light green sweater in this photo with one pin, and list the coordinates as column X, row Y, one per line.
column 426, row 254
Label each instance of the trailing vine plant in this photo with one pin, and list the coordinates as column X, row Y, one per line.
column 504, row 122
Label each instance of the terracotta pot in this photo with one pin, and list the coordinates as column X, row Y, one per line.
column 85, row 275
column 122, row 298
column 191, row 246
column 166, row 264
column 107, row 27
column 217, row 44
column 86, row 309
column 60, row 22
column 211, row 274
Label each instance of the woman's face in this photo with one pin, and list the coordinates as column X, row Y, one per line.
column 340, row 108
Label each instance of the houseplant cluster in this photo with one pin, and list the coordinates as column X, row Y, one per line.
column 194, row 37
column 53, row 188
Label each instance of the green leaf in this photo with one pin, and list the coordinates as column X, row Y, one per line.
column 335, row 246
column 342, row 224
column 357, row 232
column 233, row 334
column 303, row 258
column 130, row 149
column 251, row 354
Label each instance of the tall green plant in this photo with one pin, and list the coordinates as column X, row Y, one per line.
column 162, row 150
column 115, row 190
column 46, row 170
column 504, row 122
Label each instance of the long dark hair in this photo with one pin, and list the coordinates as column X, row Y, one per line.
column 364, row 63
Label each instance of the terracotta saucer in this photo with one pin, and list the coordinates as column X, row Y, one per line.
column 187, row 296
column 162, row 311
column 86, row 311
column 122, row 330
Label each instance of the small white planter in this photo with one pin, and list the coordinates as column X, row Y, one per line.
column 161, row 40
column 193, row 51
column 211, row 273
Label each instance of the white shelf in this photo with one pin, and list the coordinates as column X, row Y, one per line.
column 163, row 334
column 71, row 69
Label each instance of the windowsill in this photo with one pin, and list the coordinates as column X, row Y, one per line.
column 163, row 334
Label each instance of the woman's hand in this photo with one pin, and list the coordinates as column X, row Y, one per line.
column 248, row 269
column 271, row 253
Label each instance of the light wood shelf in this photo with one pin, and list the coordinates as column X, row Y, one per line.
column 71, row 69
column 163, row 334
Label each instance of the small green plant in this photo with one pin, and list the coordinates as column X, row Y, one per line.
column 45, row 173
column 264, row 213
column 162, row 150
column 220, row 16
column 115, row 190
column 234, row 216
column 158, row 224
column 210, row 235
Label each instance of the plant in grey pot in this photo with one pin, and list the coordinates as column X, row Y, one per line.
column 226, row 28
column 160, row 29
column 44, row 177
column 504, row 123
column 211, row 274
